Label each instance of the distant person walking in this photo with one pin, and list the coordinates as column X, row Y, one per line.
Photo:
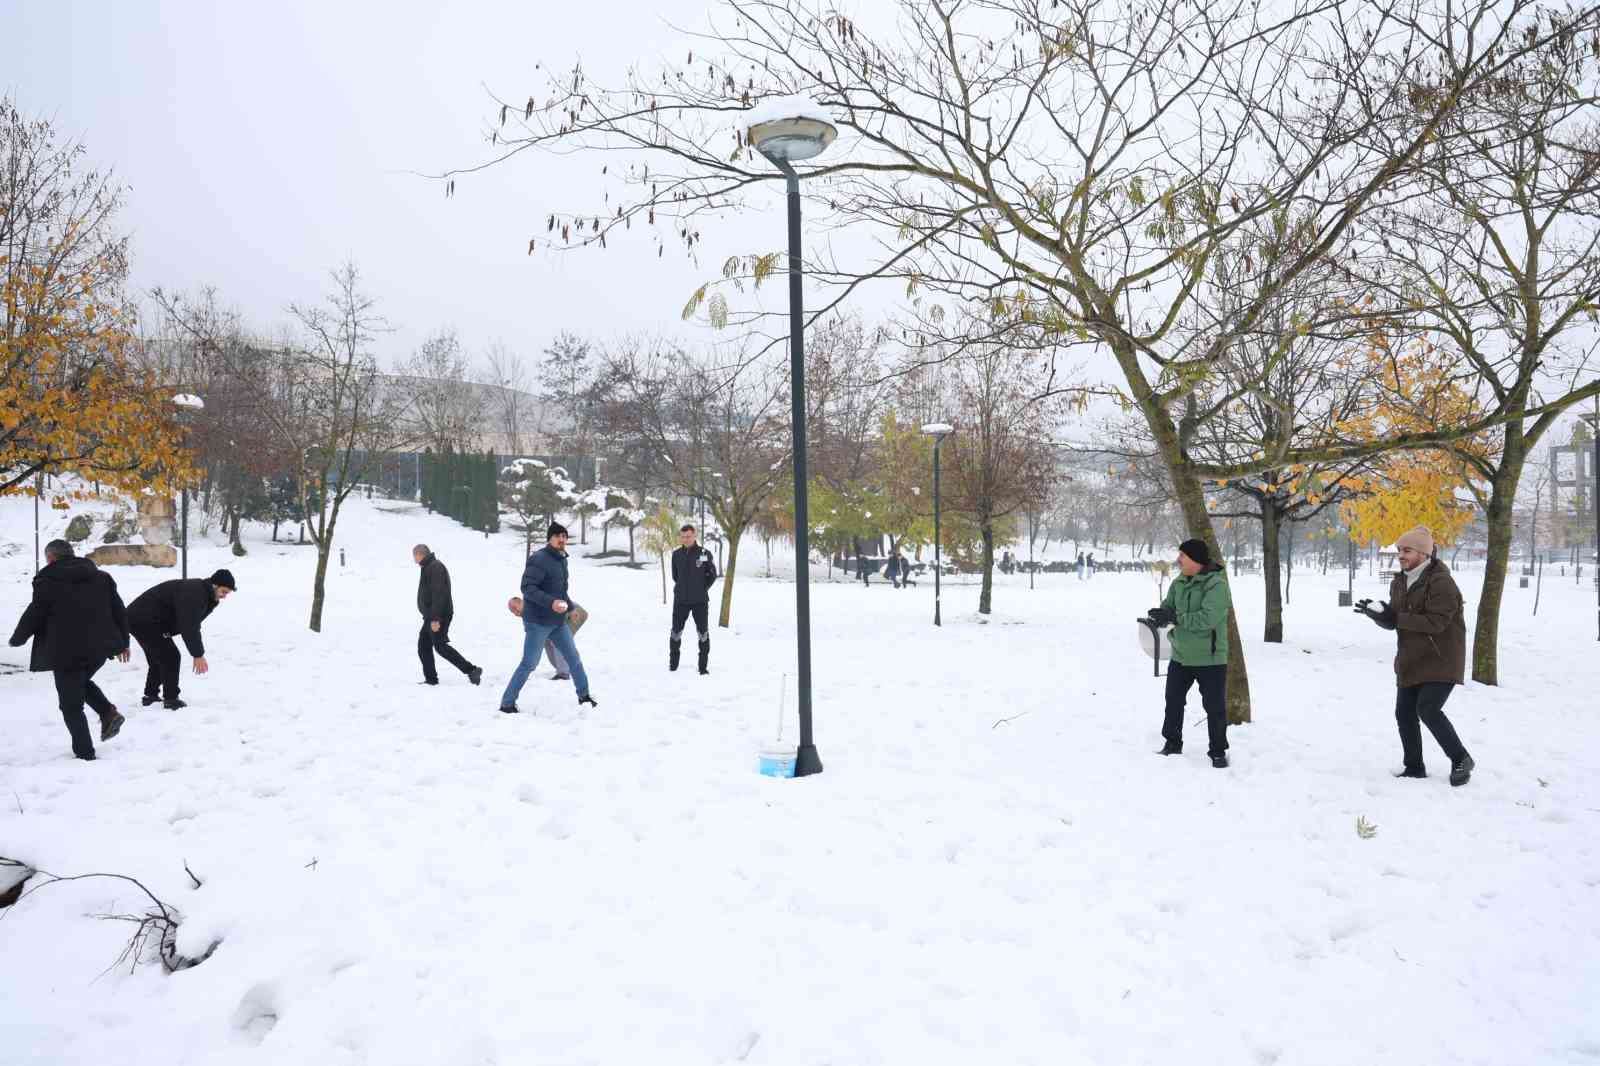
column 1091, row 564
column 76, row 621
column 1081, row 567
column 1426, row 612
column 693, row 574
column 437, row 608
column 174, row 608
column 1197, row 605
column 904, row 565
column 543, row 608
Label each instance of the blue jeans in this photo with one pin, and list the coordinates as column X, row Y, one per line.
column 533, row 637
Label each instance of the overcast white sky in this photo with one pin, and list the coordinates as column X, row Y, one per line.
column 265, row 142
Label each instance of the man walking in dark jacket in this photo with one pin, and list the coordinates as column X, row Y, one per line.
column 1425, row 611
column 174, row 608
column 437, row 608
column 543, row 609
column 693, row 573
column 76, row 621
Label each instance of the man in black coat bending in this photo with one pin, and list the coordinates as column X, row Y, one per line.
column 174, row 608
column 693, row 573
column 76, row 621
column 436, row 607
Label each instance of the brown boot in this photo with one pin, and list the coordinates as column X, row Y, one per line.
column 110, row 723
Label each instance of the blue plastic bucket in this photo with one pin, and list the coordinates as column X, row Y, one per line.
column 777, row 761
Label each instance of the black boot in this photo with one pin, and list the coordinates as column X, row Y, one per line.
column 173, row 704
column 147, row 700
column 475, row 675
column 1461, row 771
column 674, row 649
column 586, row 698
column 509, row 708
column 705, row 654
column 1171, row 747
column 110, row 723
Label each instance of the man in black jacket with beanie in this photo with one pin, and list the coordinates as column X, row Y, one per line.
column 693, row 573
column 437, row 608
column 76, row 621
column 174, row 608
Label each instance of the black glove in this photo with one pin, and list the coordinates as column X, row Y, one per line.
column 1163, row 616
column 1364, row 607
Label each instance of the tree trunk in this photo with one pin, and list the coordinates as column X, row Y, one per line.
column 1288, row 567
column 1272, row 578
column 1498, row 519
column 986, row 590
column 605, row 538
column 663, row 578
column 631, row 559
column 732, row 535
column 319, row 583
column 233, row 534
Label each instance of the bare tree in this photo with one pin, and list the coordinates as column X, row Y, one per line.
column 509, row 374
column 332, row 408
column 1498, row 257
column 1075, row 165
column 444, row 407
column 710, row 425
column 1000, row 460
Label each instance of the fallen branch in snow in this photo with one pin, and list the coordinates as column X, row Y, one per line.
column 1003, row 721
column 156, row 933
column 192, row 877
column 19, row 801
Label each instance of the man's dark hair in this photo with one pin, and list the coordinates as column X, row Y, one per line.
column 688, row 528
column 57, row 549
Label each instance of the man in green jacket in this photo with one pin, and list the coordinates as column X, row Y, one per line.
column 1197, row 607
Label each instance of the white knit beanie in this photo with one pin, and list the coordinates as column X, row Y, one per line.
column 1419, row 539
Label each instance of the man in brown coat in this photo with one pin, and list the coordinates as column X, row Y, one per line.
column 1425, row 610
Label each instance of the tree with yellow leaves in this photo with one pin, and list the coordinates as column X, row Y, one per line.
column 73, row 399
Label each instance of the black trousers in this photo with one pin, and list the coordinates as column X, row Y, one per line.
column 429, row 642
column 680, row 615
column 1419, row 705
column 74, row 688
column 161, row 676
column 1213, row 682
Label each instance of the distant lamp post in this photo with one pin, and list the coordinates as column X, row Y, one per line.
column 787, row 130
column 1593, row 421
column 187, row 405
column 938, row 431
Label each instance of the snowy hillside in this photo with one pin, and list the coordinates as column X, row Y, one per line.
column 994, row 867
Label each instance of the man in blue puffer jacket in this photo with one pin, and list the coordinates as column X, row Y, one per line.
column 544, row 607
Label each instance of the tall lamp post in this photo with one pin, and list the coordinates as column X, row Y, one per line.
column 187, row 405
column 938, row 431
column 787, row 131
column 1593, row 421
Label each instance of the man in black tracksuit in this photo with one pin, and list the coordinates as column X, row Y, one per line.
column 76, row 621
column 693, row 573
column 436, row 608
column 174, row 608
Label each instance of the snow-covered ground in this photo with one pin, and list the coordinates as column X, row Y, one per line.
column 994, row 867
